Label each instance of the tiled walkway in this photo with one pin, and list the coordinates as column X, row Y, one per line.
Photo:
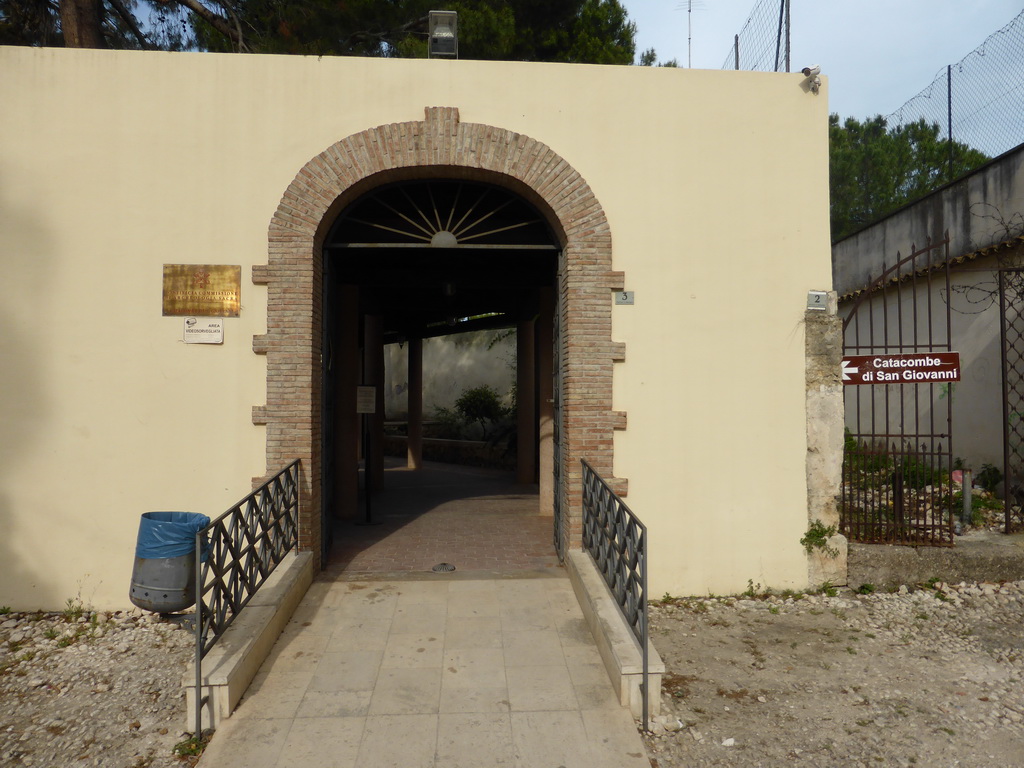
column 475, row 519
column 445, row 672
column 387, row 664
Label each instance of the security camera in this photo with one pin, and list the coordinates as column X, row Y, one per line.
column 812, row 71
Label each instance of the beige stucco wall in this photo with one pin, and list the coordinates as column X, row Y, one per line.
column 112, row 164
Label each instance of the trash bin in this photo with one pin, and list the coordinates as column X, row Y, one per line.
column 164, row 577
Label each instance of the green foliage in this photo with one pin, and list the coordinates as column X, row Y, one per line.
column 448, row 424
column 866, row 589
column 4, row 610
column 586, row 31
column 874, row 168
column 193, row 746
column 858, row 455
column 989, row 477
column 649, row 58
column 918, row 474
column 981, row 506
column 817, row 537
column 73, row 609
column 481, row 405
column 828, row 589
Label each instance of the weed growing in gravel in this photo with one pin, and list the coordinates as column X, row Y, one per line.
column 193, row 746
column 50, row 633
column 827, row 589
column 73, row 610
column 774, row 609
column 866, row 589
column 4, row 610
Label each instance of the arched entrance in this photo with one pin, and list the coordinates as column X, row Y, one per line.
column 438, row 147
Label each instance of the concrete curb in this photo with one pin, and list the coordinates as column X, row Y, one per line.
column 233, row 662
column 979, row 557
column 619, row 648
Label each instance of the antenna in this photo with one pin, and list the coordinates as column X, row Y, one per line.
column 690, row 6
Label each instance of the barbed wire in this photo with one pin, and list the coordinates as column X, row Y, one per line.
column 763, row 43
column 980, row 99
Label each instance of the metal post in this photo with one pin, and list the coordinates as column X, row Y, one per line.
column 199, row 636
column 778, row 36
column 949, row 116
column 968, row 497
column 646, row 631
column 789, row 30
column 737, row 37
column 1006, row 405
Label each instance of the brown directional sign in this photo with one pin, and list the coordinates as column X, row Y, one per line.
column 917, row 368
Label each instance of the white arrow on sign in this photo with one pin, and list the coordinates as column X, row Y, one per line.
column 848, row 370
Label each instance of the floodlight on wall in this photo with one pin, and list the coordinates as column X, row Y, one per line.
column 443, row 35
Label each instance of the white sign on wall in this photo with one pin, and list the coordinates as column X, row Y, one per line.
column 204, row 330
column 366, row 399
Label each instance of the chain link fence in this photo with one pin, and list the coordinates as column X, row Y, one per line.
column 763, row 43
column 979, row 100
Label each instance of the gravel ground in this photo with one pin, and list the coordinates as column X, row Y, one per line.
column 926, row 677
column 80, row 688
column 929, row 677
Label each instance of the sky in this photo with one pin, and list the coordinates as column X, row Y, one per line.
column 877, row 54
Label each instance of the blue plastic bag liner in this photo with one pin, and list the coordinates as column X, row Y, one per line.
column 168, row 534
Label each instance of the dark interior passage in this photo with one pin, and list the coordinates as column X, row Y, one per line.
column 412, row 261
column 475, row 519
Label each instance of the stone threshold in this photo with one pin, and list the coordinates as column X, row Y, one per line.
column 234, row 660
column 619, row 648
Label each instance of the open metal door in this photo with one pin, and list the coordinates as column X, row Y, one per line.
column 328, row 386
column 557, row 447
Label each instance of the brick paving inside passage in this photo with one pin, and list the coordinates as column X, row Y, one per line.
column 475, row 519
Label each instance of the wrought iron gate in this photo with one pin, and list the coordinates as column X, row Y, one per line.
column 898, row 450
column 1011, row 337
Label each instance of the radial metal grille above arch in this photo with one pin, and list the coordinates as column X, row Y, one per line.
column 442, row 214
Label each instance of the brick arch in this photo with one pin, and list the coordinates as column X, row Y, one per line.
column 439, row 145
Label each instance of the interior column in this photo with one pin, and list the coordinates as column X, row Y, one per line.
column 414, row 442
column 346, row 420
column 526, row 435
column 373, row 361
column 545, row 405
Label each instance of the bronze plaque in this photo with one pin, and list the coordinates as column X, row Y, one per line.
column 210, row 290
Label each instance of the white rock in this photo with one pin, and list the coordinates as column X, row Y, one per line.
column 728, row 742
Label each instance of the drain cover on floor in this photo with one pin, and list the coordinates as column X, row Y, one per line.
column 443, row 568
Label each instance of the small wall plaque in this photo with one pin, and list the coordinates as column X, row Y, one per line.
column 817, row 300
column 623, row 297
column 211, row 290
column 204, row 330
column 366, row 399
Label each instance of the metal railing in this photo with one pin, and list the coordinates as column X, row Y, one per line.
column 235, row 554
column 617, row 541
